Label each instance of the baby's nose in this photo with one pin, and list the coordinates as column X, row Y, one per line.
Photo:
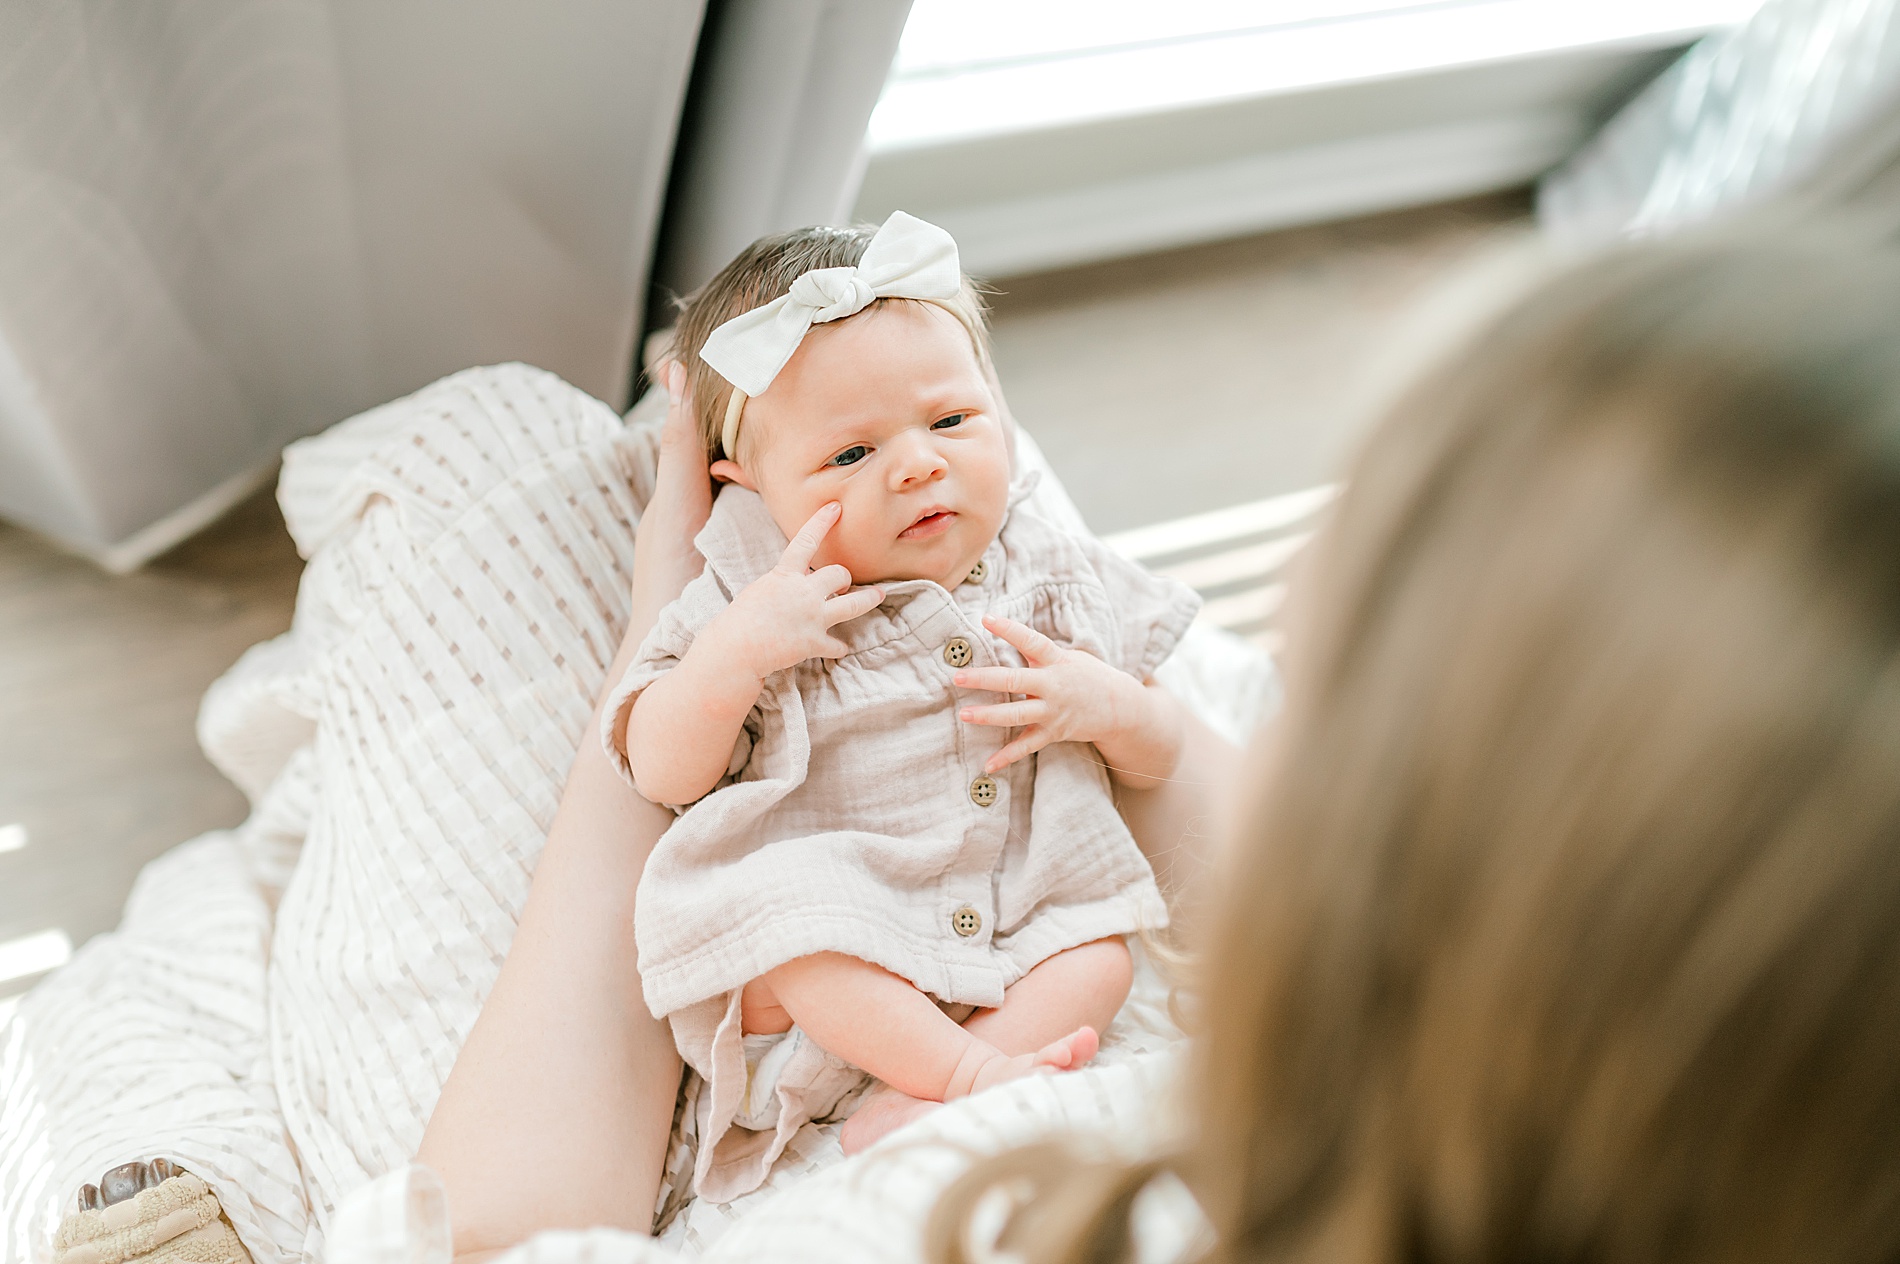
column 918, row 462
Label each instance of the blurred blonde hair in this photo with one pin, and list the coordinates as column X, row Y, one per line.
column 764, row 271
column 1566, row 922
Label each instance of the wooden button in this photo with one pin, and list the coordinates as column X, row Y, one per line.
column 966, row 921
column 983, row 792
column 957, row 652
column 978, row 574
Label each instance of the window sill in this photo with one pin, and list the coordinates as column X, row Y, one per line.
column 1060, row 159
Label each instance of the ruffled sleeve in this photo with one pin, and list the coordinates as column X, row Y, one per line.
column 1151, row 613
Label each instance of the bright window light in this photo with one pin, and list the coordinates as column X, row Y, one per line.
column 33, row 954
column 12, row 838
column 970, row 68
column 963, row 34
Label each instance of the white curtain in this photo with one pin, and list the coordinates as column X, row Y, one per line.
column 773, row 137
column 225, row 224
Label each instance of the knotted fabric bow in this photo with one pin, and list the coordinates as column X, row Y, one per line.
column 907, row 258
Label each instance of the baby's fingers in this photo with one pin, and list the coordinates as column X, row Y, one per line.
column 1008, row 715
column 832, row 647
column 832, row 579
column 1027, row 743
column 797, row 557
column 848, row 606
column 997, row 679
column 1037, row 648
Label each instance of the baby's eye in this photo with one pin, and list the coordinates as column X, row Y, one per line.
column 950, row 422
column 851, row 455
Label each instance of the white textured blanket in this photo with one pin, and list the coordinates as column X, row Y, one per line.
column 283, row 1001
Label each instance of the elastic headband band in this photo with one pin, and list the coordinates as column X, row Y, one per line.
column 729, row 433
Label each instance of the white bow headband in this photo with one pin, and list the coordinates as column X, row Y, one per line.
column 908, row 258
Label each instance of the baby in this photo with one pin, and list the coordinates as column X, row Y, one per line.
column 901, row 854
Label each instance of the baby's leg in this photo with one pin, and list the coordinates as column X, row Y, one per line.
column 878, row 1022
column 760, row 1014
column 1083, row 986
column 1078, row 991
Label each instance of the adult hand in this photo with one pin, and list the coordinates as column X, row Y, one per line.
column 664, row 559
column 786, row 615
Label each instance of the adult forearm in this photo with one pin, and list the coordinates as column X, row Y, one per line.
column 557, row 1111
column 1179, row 823
column 1148, row 745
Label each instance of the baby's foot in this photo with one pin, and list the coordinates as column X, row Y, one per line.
column 882, row 1111
column 1072, row 1051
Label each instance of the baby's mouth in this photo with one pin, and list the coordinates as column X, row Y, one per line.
column 936, row 522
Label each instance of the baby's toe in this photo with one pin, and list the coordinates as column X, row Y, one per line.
column 1074, row 1050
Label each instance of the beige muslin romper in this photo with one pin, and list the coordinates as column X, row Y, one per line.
column 856, row 817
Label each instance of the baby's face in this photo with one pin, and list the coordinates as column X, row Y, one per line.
column 889, row 414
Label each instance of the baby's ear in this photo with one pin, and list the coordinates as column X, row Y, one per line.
column 730, row 472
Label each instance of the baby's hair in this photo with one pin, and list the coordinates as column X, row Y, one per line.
column 762, row 272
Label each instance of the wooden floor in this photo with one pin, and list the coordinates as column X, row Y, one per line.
column 99, row 684
column 1159, row 387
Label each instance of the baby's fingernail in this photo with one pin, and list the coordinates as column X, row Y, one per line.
column 965, row 714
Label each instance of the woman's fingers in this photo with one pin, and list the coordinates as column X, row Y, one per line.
column 679, row 402
column 997, row 680
column 848, row 606
column 1037, row 648
column 664, row 559
column 804, row 546
column 1008, row 715
column 681, row 451
column 1027, row 743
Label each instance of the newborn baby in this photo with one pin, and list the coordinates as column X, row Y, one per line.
column 896, row 733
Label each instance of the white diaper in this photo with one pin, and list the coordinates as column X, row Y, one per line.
column 766, row 1057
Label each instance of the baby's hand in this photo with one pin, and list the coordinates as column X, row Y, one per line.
column 786, row 615
column 1072, row 696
